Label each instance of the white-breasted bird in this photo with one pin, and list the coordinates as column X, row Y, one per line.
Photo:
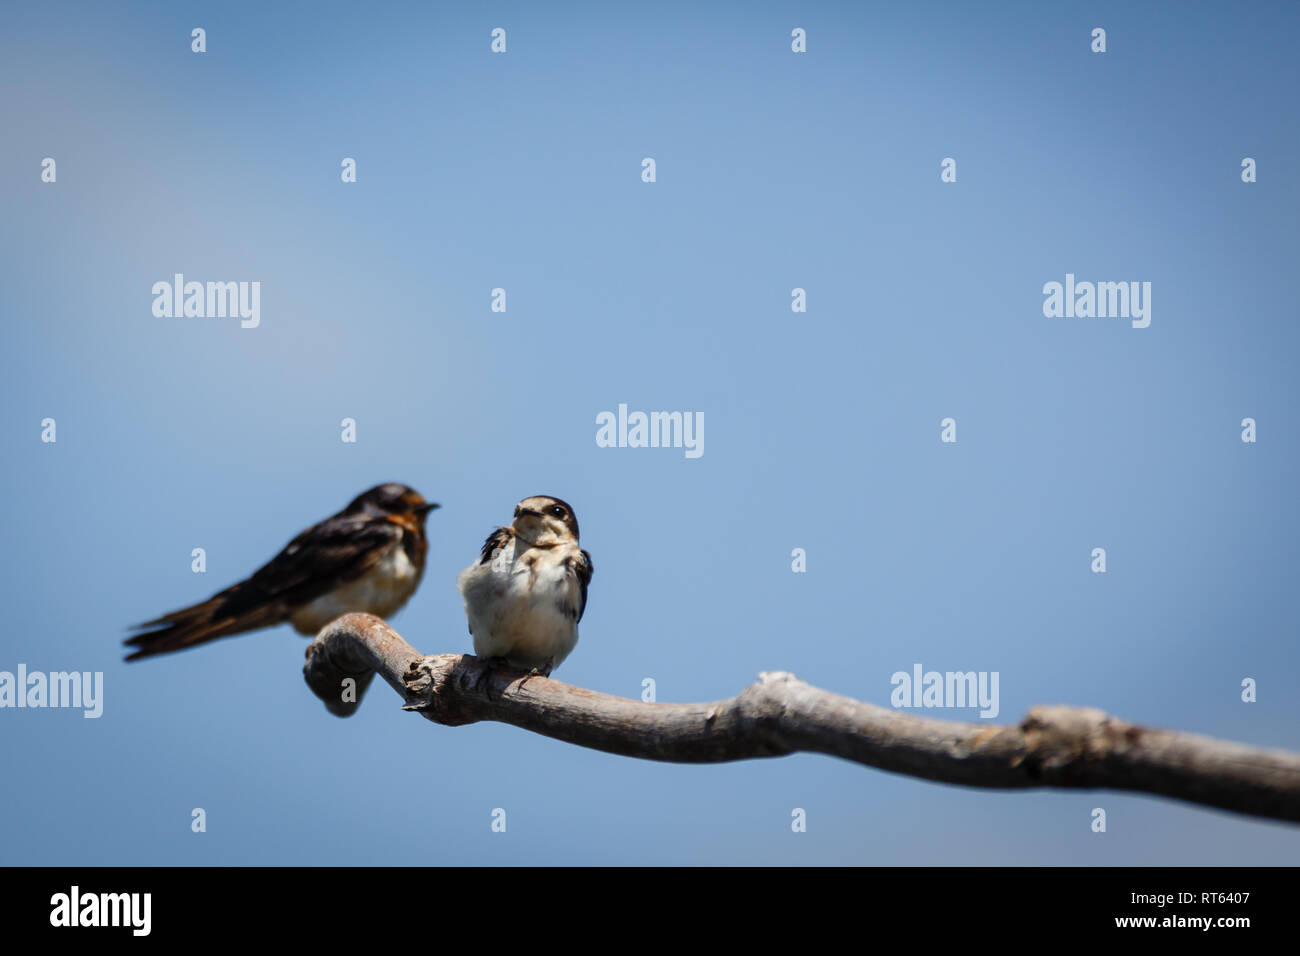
column 526, row 593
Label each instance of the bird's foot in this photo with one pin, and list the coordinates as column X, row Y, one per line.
column 490, row 664
column 543, row 671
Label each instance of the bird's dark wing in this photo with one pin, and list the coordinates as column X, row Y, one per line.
column 580, row 566
column 324, row 556
column 498, row 539
column 335, row 551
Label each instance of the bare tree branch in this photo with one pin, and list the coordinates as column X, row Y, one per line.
column 1069, row 747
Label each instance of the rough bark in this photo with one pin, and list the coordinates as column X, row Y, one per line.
column 1069, row 747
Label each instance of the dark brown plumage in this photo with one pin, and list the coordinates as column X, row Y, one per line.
column 368, row 557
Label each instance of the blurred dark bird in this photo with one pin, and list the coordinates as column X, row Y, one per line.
column 368, row 557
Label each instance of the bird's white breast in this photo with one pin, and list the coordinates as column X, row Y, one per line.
column 382, row 590
column 515, row 605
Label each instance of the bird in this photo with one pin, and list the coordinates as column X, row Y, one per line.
column 368, row 557
column 527, row 591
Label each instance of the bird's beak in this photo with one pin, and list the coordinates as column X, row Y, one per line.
column 424, row 509
column 528, row 511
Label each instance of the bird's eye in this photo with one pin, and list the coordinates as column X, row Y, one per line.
column 557, row 511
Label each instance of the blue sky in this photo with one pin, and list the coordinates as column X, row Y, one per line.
column 775, row 170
